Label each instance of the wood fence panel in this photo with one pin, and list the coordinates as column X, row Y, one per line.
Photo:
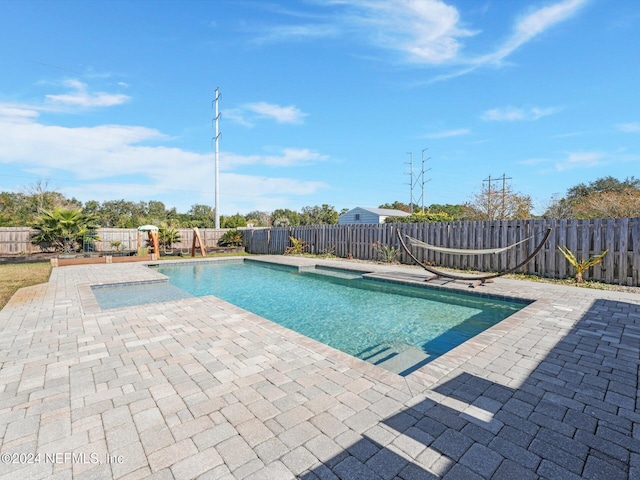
column 596, row 246
column 635, row 252
column 611, row 244
column 583, row 237
column 623, row 228
column 477, row 261
column 562, row 242
column 15, row 240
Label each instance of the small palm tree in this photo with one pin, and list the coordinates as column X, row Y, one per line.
column 582, row 265
column 168, row 236
column 59, row 225
column 232, row 238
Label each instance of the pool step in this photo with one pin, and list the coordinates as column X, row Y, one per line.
column 406, row 361
column 331, row 273
column 400, row 359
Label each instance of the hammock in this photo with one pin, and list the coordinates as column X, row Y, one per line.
column 479, row 279
column 463, row 251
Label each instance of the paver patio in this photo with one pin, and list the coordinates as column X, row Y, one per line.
column 198, row 388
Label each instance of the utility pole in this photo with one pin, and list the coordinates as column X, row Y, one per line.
column 217, row 163
column 504, row 192
column 489, row 180
column 422, row 180
column 410, row 181
column 415, row 180
column 489, row 209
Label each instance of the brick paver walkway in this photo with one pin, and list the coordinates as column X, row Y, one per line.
column 198, row 388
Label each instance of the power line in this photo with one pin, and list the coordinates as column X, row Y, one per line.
column 503, row 194
column 417, row 180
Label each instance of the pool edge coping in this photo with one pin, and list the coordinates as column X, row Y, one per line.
column 424, row 377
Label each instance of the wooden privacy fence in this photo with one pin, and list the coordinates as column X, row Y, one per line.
column 128, row 238
column 15, row 240
column 583, row 237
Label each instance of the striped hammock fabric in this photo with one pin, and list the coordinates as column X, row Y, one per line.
column 462, row 251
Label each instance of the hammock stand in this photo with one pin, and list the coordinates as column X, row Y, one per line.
column 477, row 279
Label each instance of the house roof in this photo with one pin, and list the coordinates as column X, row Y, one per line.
column 385, row 212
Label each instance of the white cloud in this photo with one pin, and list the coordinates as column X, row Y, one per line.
column 510, row 114
column 289, row 157
column 530, row 26
column 425, row 31
column 17, row 113
column 81, row 97
column 108, row 162
column 289, row 114
column 237, row 115
column 431, row 31
column 281, row 33
column 249, row 113
column 632, row 127
column 580, row 160
column 449, row 133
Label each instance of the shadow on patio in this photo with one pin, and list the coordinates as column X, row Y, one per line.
column 577, row 415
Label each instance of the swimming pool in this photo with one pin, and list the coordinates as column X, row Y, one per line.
column 398, row 327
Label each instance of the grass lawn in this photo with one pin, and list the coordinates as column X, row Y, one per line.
column 16, row 276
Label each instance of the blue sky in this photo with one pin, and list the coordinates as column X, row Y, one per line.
column 320, row 100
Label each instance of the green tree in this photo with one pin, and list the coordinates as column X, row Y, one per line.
column 60, row 225
column 40, row 197
column 258, row 218
column 14, row 210
column 397, row 206
column 456, row 212
column 202, row 216
column 607, row 184
column 285, row 218
column 156, row 212
column 319, row 215
column 606, row 197
column 233, row 221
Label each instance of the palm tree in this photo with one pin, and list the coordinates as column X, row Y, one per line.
column 168, row 236
column 581, row 266
column 61, row 225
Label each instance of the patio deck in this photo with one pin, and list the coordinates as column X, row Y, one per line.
column 198, row 388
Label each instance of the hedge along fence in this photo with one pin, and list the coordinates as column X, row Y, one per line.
column 583, row 237
column 16, row 240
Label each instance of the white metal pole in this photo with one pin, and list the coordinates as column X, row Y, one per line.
column 217, row 205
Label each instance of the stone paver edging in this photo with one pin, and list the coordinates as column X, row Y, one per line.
column 199, row 388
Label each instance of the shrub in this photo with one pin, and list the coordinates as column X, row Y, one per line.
column 582, row 265
column 232, row 238
column 297, row 247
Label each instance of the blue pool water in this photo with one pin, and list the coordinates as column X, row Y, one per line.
column 398, row 327
column 373, row 320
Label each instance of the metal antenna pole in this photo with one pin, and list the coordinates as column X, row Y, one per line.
column 504, row 190
column 217, row 164
column 489, row 209
column 410, row 181
column 422, row 175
